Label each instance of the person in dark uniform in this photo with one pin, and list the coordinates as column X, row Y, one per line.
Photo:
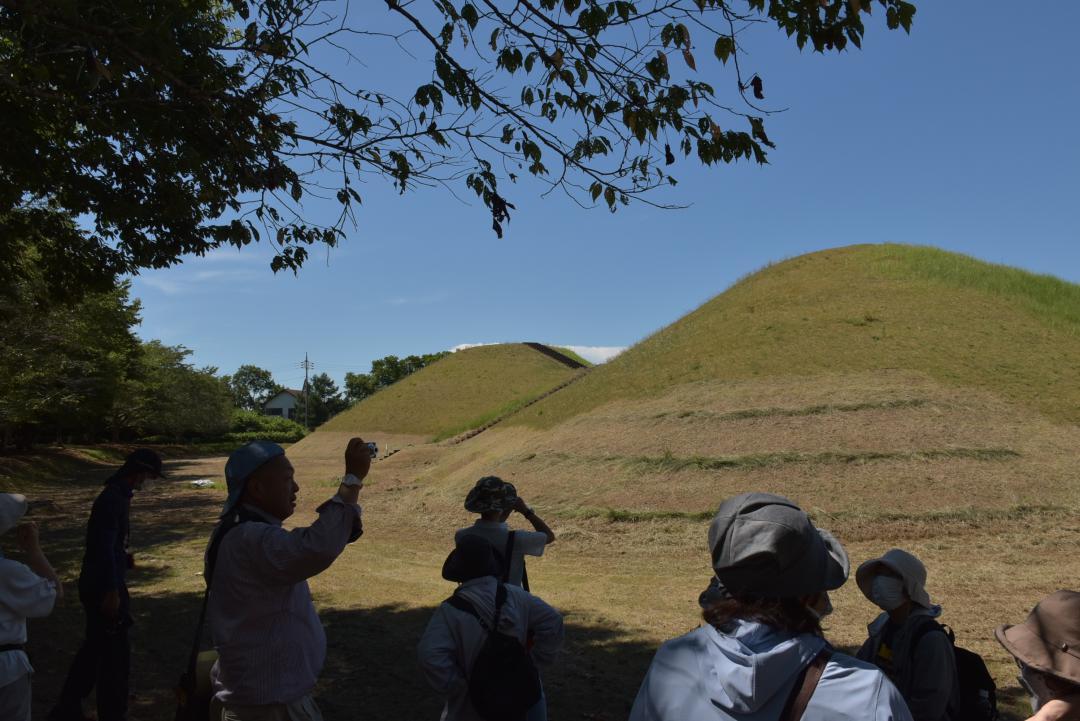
column 104, row 658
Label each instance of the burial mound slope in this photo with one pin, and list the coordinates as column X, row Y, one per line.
column 458, row 393
column 892, row 388
column 960, row 321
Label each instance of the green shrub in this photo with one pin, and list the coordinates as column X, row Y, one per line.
column 244, row 427
column 255, row 422
column 277, row 437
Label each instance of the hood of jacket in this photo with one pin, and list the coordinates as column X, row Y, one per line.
column 480, row 592
column 749, row 664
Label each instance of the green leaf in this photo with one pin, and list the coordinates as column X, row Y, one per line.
column 725, row 46
column 469, row 15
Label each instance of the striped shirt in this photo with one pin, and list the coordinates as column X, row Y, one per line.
column 271, row 645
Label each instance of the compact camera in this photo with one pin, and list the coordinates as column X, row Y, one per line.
column 373, row 448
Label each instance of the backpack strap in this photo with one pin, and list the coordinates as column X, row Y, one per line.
column 500, row 599
column 805, row 685
column 927, row 628
column 508, row 557
column 240, row 515
column 463, row 605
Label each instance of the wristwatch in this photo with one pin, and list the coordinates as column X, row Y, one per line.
column 350, row 480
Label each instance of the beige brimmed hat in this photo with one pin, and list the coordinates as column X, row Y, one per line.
column 12, row 509
column 910, row 569
column 1049, row 640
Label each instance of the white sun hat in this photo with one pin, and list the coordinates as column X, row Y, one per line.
column 12, row 508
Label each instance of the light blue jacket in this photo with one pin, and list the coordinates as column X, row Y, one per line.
column 747, row 674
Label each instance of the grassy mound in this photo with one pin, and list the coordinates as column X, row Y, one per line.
column 465, row 390
column 956, row 319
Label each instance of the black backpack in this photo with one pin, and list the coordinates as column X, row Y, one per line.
column 504, row 683
column 977, row 700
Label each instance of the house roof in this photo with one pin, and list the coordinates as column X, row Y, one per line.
column 291, row 391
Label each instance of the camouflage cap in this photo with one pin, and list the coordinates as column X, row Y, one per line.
column 491, row 493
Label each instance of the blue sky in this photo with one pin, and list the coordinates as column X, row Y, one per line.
column 961, row 135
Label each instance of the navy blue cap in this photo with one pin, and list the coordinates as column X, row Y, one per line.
column 244, row 461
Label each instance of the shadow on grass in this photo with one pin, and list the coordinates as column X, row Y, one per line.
column 371, row 670
column 158, row 518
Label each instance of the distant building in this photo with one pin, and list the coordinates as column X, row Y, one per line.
column 283, row 404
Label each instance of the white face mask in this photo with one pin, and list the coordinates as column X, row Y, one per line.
column 887, row 592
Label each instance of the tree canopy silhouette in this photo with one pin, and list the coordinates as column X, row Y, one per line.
column 165, row 128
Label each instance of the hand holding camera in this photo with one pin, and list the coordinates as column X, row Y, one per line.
column 358, row 457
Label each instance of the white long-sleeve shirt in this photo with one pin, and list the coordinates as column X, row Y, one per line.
column 453, row 639
column 271, row 645
column 23, row 595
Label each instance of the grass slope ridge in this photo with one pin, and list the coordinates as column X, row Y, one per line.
column 460, row 392
column 956, row 319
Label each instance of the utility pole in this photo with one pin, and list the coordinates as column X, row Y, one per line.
column 306, row 365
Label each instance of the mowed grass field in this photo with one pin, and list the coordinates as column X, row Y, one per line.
column 904, row 397
column 997, row 529
column 462, row 391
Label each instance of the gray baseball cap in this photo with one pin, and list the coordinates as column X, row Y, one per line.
column 244, row 461
column 765, row 545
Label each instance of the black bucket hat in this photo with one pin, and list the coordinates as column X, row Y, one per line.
column 144, row 459
column 473, row 557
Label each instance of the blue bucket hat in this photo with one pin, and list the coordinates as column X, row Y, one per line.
column 244, row 461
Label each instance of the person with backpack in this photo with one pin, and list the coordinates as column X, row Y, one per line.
column 761, row 654
column 27, row 590
column 1046, row 648
column 905, row 641
column 483, row 645
column 271, row 645
column 495, row 499
column 103, row 661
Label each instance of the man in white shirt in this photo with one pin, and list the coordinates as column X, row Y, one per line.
column 26, row 591
column 495, row 499
column 271, row 645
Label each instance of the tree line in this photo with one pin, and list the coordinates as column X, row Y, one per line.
column 252, row 386
column 75, row 371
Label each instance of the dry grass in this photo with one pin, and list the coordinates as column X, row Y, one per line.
column 997, row 530
column 462, row 391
